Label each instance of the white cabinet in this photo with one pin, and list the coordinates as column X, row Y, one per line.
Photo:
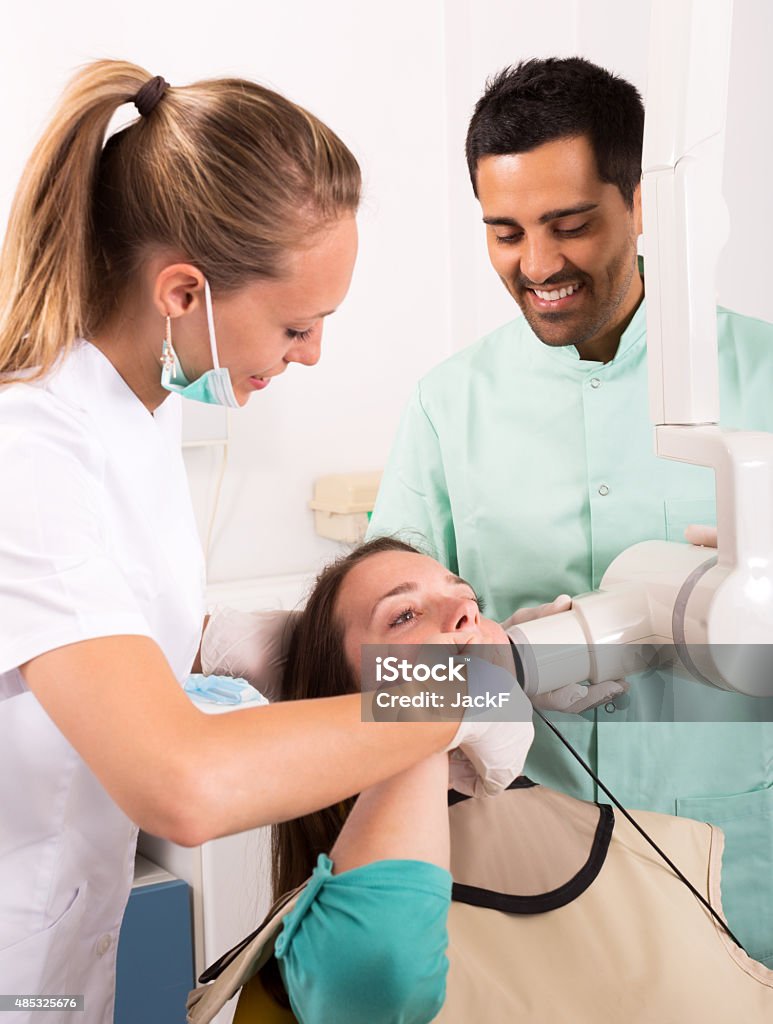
column 229, row 879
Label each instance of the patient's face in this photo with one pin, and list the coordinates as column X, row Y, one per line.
column 403, row 598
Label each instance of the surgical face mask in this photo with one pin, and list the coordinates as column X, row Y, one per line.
column 213, row 387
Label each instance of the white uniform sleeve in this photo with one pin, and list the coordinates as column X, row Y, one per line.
column 59, row 580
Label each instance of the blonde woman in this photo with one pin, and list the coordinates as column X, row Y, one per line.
column 197, row 251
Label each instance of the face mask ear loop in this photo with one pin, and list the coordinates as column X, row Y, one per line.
column 211, row 324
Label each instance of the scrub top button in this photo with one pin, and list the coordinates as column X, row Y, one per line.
column 603, row 490
column 104, row 944
column 595, row 382
column 610, row 708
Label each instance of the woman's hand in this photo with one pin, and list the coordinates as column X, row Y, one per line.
column 490, row 745
column 490, row 748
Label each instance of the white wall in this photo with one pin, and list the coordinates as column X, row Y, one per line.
column 744, row 283
column 484, row 36
column 398, row 82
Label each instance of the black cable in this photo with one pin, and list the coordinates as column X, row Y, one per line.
column 638, row 827
column 519, row 671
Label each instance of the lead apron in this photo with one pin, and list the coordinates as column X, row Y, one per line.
column 563, row 912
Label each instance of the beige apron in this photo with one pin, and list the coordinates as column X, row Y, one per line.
column 562, row 914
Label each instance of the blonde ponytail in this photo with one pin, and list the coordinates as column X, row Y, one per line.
column 49, row 246
column 226, row 172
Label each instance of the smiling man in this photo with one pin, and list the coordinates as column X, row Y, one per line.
column 571, row 267
column 525, row 463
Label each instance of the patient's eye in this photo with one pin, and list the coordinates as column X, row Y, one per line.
column 476, row 598
column 405, row 616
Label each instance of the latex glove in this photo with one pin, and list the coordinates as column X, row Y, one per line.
column 487, row 755
column 462, row 776
column 488, row 760
column 248, row 645
column 574, row 697
column 701, row 536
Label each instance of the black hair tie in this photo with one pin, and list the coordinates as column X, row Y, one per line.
column 146, row 99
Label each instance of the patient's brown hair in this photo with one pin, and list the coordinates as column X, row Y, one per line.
column 317, row 667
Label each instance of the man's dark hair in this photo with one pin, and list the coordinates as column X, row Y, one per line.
column 540, row 101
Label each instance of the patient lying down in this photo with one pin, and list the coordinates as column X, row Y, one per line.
column 560, row 910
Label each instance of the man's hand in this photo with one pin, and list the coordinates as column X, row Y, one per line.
column 701, row 536
column 248, row 645
column 561, row 604
column 574, row 697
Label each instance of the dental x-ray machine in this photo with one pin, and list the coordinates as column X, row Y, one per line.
column 713, row 610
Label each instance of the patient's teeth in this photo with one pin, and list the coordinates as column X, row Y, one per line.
column 563, row 293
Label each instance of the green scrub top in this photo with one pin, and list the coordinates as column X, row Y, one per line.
column 526, row 470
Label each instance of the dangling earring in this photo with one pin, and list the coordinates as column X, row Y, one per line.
column 167, row 352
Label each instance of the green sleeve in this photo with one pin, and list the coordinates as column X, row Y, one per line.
column 413, row 501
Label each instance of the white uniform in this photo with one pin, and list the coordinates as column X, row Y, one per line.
column 97, row 538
